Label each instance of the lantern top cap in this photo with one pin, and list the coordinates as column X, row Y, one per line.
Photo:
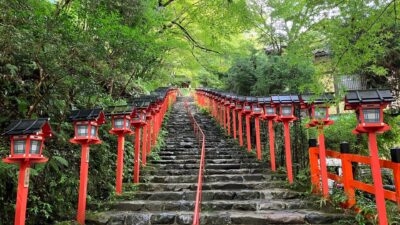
column 95, row 114
column 119, row 110
column 241, row 98
column 142, row 103
column 316, row 99
column 369, row 96
column 26, row 126
column 251, row 99
column 282, row 99
column 264, row 100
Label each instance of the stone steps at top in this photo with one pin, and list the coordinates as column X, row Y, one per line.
column 270, row 217
column 237, row 188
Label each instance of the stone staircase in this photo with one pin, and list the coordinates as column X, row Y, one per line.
column 237, row 188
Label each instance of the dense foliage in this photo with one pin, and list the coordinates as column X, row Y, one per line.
column 56, row 55
column 60, row 55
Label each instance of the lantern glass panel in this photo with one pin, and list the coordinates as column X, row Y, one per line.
column 35, row 147
column 19, row 147
column 93, row 131
column 238, row 106
column 247, row 107
column 83, row 130
column 270, row 111
column 286, row 110
column 372, row 115
column 257, row 109
column 119, row 123
column 320, row 113
column 128, row 123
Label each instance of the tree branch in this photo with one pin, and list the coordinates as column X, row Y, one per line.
column 192, row 40
column 165, row 4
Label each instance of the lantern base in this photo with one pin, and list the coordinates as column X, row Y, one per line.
column 85, row 141
column 315, row 123
column 286, row 118
column 121, row 131
column 14, row 160
column 378, row 128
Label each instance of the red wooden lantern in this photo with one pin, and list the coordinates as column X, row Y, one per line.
column 139, row 120
column 247, row 110
column 27, row 141
column 257, row 112
column 239, row 108
column 270, row 115
column 247, row 105
column 121, row 125
column 318, row 107
column 227, row 104
column 369, row 105
column 86, row 124
column 286, row 105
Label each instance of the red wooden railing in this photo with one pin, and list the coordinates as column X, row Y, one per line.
column 347, row 178
column 202, row 141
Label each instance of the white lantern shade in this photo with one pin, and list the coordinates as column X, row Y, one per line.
column 286, row 111
column 320, row 113
column 372, row 115
column 35, row 147
column 119, row 123
column 257, row 109
column 270, row 110
column 128, row 123
column 93, row 131
column 19, row 147
column 82, row 131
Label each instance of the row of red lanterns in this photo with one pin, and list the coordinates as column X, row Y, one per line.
column 28, row 136
column 368, row 105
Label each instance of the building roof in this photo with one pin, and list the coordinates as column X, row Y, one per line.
column 26, row 126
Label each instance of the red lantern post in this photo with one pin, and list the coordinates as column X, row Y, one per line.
column 138, row 121
column 86, row 124
column 369, row 105
column 257, row 112
column 121, row 126
column 239, row 109
column 286, row 109
column 27, row 140
column 227, row 104
column 232, row 107
column 270, row 115
column 319, row 117
column 247, row 112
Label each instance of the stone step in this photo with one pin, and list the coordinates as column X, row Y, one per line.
column 209, row 166
column 216, row 218
column 247, row 205
column 207, row 171
column 194, row 161
column 221, row 185
column 197, row 152
column 213, row 178
column 208, row 156
column 208, row 195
